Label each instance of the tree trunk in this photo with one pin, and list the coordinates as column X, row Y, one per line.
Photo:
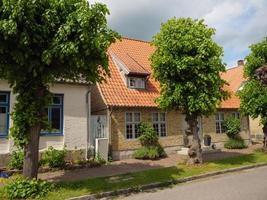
column 264, row 129
column 31, row 153
column 31, row 149
column 195, row 151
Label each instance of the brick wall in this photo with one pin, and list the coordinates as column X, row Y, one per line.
column 176, row 125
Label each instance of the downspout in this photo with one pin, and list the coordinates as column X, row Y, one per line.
column 88, row 118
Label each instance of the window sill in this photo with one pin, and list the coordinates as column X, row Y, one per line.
column 3, row 136
column 50, row 134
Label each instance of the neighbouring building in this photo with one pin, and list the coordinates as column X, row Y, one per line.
column 68, row 114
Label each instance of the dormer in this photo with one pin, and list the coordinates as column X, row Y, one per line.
column 132, row 72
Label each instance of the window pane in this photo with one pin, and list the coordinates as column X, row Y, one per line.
column 162, row 129
column 132, row 82
column 56, row 100
column 155, row 117
column 3, row 120
column 129, row 131
column 136, row 130
column 217, row 116
column 55, row 119
column 3, row 98
column 137, row 117
column 156, row 128
column 162, row 117
column 129, row 117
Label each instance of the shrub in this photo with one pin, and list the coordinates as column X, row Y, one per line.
column 151, row 148
column 23, row 188
column 98, row 159
column 148, row 135
column 233, row 127
column 54, row 158
column 152, row 152
column 16, row 160
column 237, row 143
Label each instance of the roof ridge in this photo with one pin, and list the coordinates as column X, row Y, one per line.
column 234, row 67
column 134, row 39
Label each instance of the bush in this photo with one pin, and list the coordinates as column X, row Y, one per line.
column 16, row 160
column 151, row 148
column 148, row 135
column 54, row 158
column 152, row 152
column 23, row 188
column 233, row 127
column 237, row 143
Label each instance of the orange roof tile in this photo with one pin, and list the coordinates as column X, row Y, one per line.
column 234, row 76
column 135, row 54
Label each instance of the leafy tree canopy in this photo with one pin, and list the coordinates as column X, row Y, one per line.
column 187, row 63
column 42, row 41
column 254, row 93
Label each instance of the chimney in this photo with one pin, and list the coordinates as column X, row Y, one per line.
column 240, row 63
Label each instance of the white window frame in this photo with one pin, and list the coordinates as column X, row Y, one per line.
column 159, row 122
column 135, row 85
column 236, row 115
column 219, row 119
column 133, row 123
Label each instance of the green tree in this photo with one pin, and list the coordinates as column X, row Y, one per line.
column 42, row 41
column 254, row 93
column 188, row 63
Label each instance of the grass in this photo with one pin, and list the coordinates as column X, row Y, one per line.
column 95, row 185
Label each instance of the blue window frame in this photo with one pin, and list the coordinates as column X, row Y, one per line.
column 55, row 116
column 4, row 113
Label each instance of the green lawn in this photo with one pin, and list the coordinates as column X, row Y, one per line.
column 95, row 185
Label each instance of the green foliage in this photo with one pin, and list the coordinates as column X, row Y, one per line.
column 99, row 160
column 54, row 158
column 16, row 160
column 151, row 149
column 151, row 153
column 235, row 143
column 254, row 94
column 22, row 188
column 187, row 63
column 233, row 127
column 148, row 135
column 42, row 42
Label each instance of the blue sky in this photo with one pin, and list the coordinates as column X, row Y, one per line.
column 238, row 23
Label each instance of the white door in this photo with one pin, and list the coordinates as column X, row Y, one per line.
column 98, row 127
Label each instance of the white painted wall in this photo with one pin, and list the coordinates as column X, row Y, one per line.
column 74, row 122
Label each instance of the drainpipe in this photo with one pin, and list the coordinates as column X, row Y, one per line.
column 88, row 118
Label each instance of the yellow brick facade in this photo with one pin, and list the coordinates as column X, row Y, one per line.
column 176, row 126
column 174, row 121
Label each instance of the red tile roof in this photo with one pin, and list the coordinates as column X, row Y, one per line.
column 134, row 55
column 234, row 76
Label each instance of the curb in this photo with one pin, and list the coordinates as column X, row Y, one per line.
column 162, row 184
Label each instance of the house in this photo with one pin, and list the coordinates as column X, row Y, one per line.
column 68, row 114
column 128, row 98
column 80, row 113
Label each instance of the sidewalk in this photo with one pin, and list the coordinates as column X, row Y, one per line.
column 133, row 165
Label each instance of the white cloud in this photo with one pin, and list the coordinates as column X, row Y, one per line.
column 239, row 23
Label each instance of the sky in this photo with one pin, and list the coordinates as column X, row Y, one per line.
column 238, row 23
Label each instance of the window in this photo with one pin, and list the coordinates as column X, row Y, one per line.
column 219, row 123
column 133, row 120
column 159, row 123
column 236, row 115
column 4, row 113
column 136, row 83
column 55, row 116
